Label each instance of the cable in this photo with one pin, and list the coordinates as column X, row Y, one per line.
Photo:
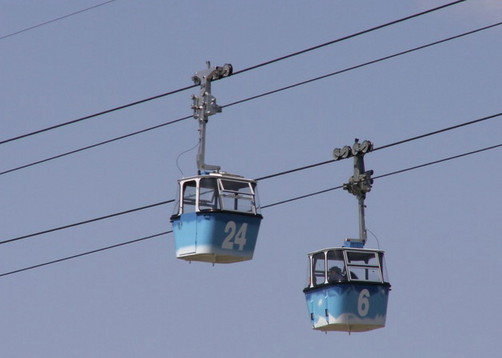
column 258, row 179
column 94, row 145
column 182, row 153
column 54, row 20
column 85, row 253
column 235, row 73
column 385, row 175
column 105, row 112
column 302, row 197
column 385, row 146
column 86, row 221
column 376, row 238
column 295, row 170
column 263, row 207
column 438, row 161
column 251, row 98
column 362, row 65
column 439, row 131
column 347, row 37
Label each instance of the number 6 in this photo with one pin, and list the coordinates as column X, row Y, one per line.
column 363, row 303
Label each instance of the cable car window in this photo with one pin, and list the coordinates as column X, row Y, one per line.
column 336, row 266
column 362, row 258
column 236, row 187
column 364, row 266
column 189, row 196
column 208, row 195
column 365, row 273
column 319, row 269
column 237, row 196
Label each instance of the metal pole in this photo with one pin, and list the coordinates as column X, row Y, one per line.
column 360, row 183
column 362, row 226
column 204, row 106
column 361, row 193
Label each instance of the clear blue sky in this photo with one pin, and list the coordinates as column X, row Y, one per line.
column 440, row 225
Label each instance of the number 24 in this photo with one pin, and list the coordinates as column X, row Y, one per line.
column 235, row 237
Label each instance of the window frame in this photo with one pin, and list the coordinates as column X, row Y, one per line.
column 377, row 266
column 318, row 275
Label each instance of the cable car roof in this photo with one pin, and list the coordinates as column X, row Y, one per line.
column 345, row 248
column 219, row 175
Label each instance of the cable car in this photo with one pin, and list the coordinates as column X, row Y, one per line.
column 347, row 289
column 217, row 218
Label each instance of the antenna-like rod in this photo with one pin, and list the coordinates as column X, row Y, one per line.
column 359, row 184
column 204, row 106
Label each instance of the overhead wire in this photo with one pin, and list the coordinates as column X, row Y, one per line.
column 93, row 145
column 386, row 175
column 439, row 131
column 235, row 73
column 282, row 202
column 438, row 161
column 363, row 64
column 99, row 114
column 85, row 253
column 479, row 120
column 252, row 97
column 266, row 63
column 86, row 221
column 55, row 20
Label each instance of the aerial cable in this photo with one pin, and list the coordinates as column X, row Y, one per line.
column 295, row 170
column 87, row 221
column 56, row 19
column 302, row 197
column 385, row 175
column 385, row 146
column 235, row 73
column 94, row 145
column 361, row 65
column 263, row 207
column 257, row 179
column 86, row 253
column 248, row 99
column 347, row 37
column 438, row 131
column 105, row 112
column 438, row 161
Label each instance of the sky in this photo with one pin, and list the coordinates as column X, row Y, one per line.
column 439, row 225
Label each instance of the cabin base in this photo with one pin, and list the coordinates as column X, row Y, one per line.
column 212, row 258
column 348, row 323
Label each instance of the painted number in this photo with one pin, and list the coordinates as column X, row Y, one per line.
column 363, row 304
column 235, row 237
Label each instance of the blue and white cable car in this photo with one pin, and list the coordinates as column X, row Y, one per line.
column 217, row 214
column 347, row 287
column 218, row 218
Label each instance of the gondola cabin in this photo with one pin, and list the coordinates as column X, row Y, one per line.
column 217, row 218
column 347, row 289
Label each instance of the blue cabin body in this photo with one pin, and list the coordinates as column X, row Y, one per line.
column 217, row 218
column 347, row 289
